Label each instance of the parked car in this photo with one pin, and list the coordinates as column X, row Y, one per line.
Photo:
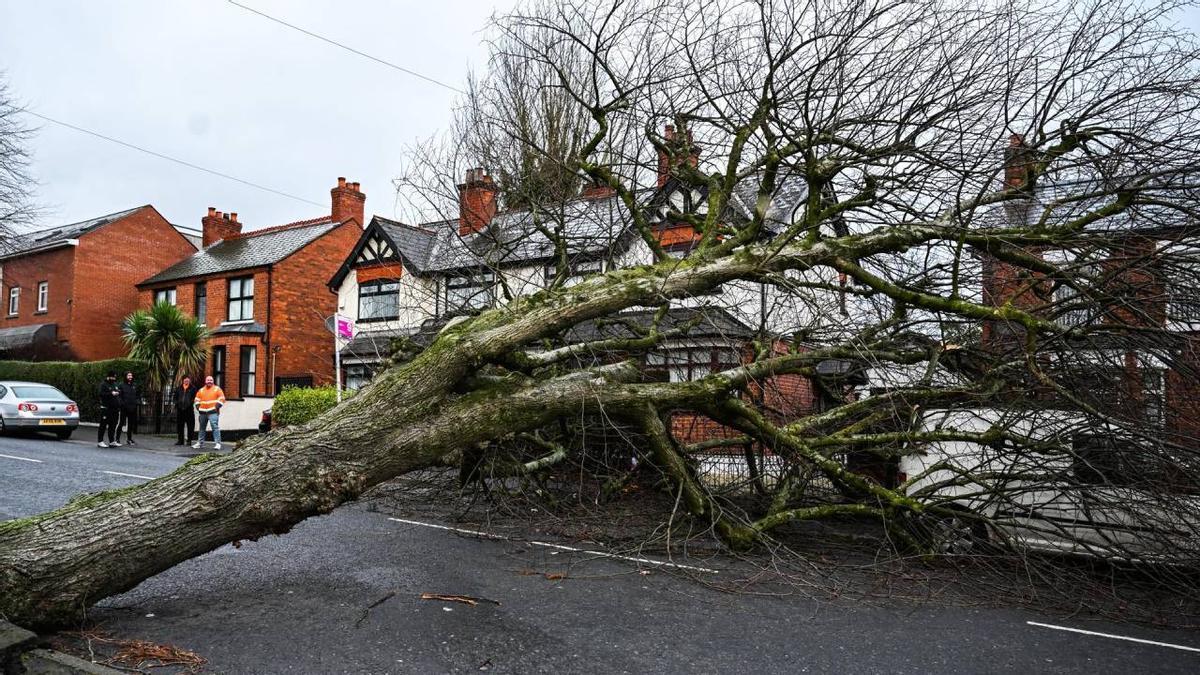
column 32, row 406
column 1087, row 491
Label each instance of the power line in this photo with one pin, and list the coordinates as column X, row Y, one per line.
column 169, row 158
column 335, row 43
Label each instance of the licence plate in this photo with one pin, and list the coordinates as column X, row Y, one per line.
column 51, row 422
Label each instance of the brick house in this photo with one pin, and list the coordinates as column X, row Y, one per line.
column 262, row 295
column 408, row 281
column 67, row 289
column 1143, row 366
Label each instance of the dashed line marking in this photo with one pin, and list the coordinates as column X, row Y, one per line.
column 1113, row 637
column 128, row 475
column 560, row 547
column 23, row 459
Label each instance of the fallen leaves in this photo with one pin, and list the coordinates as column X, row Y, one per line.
column 137, row 654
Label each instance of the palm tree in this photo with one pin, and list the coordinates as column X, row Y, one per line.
column 169, row 341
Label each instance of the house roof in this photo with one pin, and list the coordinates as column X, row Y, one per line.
column 59, row 235
column 251, row 249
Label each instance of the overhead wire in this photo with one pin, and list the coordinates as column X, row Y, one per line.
column 348, row 48
column 169, row 158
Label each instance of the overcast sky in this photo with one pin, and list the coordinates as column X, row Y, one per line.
column 213, row 84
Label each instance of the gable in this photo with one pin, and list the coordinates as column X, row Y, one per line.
column 375, row 249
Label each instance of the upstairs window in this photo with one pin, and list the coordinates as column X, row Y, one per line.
column 379, row 300
column 201, row 302
column 43, row 300
column 241, row 299
column 577, row 271
column 470, row 293
column 166, row 295
column 687, row 364
column 14, row 300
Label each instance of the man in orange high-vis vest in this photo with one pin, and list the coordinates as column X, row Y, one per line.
column 209, row 400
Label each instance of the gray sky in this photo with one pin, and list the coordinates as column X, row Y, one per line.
column 215, row 85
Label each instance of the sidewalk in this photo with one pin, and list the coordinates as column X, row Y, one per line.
column 160, row 443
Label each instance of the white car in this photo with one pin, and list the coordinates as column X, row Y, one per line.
column 37, row 407
column 1072, row 488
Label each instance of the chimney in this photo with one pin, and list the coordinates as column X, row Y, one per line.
column 597, row 190
column 348, row 201
column 217, row 226
column 476, row 202
column 668, row 161
column 1017, row 160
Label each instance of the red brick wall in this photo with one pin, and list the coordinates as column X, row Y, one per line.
column 301, row 301
column 375, row 271
column 109, row 262
column 56, row 267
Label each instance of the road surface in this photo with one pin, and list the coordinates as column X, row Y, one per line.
column 342, row 594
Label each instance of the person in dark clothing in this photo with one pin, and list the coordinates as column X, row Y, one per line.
column 130, row 395
column 110, row 407
column 185, row 413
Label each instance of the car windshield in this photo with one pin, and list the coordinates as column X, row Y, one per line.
column 39, row 392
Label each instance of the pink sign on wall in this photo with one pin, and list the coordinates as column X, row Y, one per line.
column 345, row 327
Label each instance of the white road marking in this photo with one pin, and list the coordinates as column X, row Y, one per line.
column 1114, row 637
column 23, row 459
column 559, row 547
column 128, row 475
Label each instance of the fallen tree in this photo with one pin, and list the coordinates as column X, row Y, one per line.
column 890, row 122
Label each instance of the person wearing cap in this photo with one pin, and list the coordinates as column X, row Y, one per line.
column 209, row 400
column 110, row 410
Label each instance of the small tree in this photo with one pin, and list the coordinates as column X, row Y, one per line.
column 171, row 342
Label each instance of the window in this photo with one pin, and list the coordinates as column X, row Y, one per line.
column 379, row 300
column 14, row 300
column 43, row 296
column 218, row 366
column 166, row 295
column 358, row 375
column 282, row 383
column 241, row 299
column 469, row 293
column 1183, row 303
column 201, row 304
column 576, row 271
column 246, row 372
column 683, row 365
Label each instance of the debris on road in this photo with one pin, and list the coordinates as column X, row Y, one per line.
column 464, row 599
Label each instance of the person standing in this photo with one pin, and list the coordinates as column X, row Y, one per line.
column 130, row 397
column 110, row 407
column 185, row 412
column 209, row 400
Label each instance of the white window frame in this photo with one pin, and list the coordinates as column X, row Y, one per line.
column 14, row 300
column 43, row 296
column 244, row 302
column 247, row 376
column 167, row 295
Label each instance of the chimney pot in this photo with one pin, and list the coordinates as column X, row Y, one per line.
column 233, row 216
column 212, row 210
column 341, row 181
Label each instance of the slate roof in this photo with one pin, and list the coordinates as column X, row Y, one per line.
column 51, row 236
column 252, row 249
column 706, row 322
column 591, row 227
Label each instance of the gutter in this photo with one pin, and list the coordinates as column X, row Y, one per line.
column 63, row 243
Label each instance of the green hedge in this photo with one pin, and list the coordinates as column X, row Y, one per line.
column 80, row 381
column 297, row 405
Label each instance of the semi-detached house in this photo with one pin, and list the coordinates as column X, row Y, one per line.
column 262, row 294
column 67, row 289
column 409, row 281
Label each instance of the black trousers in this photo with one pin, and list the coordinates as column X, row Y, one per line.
column 109, row 417
column 128, row 421
column 188, row 422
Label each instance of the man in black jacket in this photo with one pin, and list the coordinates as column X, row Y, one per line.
column 185, row 415
column 110, row 406
column 130, row 395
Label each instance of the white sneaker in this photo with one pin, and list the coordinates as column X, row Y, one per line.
column 217, row 447
column 115, row 444
column 102, row 444
column 196, row 445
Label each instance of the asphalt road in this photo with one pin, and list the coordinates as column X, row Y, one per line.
column 342, row 594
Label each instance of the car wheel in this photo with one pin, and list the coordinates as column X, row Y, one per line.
column 953, row 534
column 64, row 434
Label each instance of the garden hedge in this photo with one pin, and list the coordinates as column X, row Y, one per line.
column 297, row 405
column 79, row 381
